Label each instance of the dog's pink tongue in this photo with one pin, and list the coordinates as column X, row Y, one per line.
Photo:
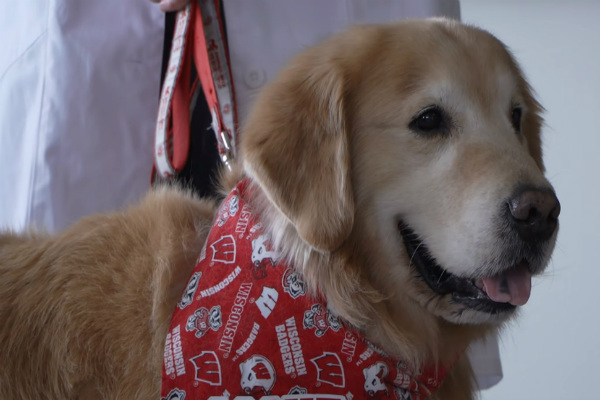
column 512, row 287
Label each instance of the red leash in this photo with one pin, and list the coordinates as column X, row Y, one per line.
column 198, row 39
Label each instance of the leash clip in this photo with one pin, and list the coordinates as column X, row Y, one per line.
column 226, row 150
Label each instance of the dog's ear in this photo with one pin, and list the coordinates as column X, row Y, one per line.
column 296, row 148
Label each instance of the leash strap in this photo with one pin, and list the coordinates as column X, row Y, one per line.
column 198, row 38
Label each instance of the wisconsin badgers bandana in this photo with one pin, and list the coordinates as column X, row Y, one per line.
column 246, row 329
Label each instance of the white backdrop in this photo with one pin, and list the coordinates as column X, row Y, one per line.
column 552, row 351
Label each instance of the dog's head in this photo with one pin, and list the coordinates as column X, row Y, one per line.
column 417, row 145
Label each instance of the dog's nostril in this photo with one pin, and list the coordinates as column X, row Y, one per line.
column 535, row 213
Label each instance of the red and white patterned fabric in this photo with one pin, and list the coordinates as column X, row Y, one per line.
column 246, row 329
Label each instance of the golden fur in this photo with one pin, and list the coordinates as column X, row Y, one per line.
column 334, row 168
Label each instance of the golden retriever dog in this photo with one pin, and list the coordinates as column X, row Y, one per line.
column 397, row 170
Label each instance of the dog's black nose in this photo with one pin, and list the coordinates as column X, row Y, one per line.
column 534, row 213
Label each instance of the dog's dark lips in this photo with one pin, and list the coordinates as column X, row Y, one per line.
column 442, row 282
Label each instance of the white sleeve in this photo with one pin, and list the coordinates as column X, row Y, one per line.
column 79, row 86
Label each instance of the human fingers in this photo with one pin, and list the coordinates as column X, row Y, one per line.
column 172, row 5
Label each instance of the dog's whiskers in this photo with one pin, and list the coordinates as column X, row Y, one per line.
column 410, row 262
column 440, row 277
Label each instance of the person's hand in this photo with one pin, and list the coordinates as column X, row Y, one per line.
column 171, row 5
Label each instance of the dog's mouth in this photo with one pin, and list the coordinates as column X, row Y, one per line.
column 496, row 294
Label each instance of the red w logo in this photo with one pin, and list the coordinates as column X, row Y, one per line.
column 208, row 369
column 224, row 250
column 330, row 369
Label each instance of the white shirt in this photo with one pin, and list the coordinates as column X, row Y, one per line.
column 79, row 85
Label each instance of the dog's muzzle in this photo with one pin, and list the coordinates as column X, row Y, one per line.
column 530, row 220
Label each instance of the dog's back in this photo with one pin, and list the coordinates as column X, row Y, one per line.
column 72, row 327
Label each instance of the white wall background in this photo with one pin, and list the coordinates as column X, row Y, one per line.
column 553, row 350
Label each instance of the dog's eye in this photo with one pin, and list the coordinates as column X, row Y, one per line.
column 429, row 121
column 515, row 118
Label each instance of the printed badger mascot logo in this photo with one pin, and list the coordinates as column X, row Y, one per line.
column 260, row 253
column 175, row 394
column 320, row 319
column 229, row 209
column 293, row 284
column 258, row 375
column 374, row 378
column 202, row 320
column 190, row 290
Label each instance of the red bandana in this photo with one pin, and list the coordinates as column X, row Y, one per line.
column 246, row 327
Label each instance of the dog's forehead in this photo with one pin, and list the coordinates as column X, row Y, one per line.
column 411, row 65
column 473, row 94
column 453, row 58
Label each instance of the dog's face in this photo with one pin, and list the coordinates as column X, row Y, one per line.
column 418, row 143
